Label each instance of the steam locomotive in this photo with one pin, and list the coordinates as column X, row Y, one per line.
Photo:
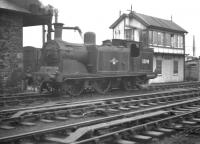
column 72, row 68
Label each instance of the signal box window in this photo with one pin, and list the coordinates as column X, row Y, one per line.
column 155, row 37
column 175, row 67
column 160, row 38
column 129, row 34
column 137, row 34
column 150, row 37
column 167, row 40
column 180, row 41
column 135, row 50
column 159, row 66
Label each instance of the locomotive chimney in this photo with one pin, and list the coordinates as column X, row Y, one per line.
column 90, row 38
column 58, row 31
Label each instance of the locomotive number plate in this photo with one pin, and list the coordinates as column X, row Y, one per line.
column 145, row 61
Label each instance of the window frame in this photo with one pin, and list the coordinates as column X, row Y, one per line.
column 180, row 41
column 160, row 39
column 150, row 39
column 175, row 41
column 159, row 67
column 167, row 39
column 129, row 34
column 175, row 67
column 155, row 38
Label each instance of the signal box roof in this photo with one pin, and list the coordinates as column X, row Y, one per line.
column 151, row 22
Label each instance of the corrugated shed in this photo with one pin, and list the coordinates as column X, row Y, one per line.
column 152, row 22
column 7, row 5
column 33, row 12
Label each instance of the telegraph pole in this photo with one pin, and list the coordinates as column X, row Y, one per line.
column 194, row 47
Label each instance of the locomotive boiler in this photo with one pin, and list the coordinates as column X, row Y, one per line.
column 72, row 68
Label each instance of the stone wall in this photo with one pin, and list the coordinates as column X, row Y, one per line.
column 11, row 57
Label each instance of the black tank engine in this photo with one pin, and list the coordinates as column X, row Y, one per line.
column 72, row 68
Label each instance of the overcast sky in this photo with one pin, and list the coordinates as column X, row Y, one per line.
column 98, row 15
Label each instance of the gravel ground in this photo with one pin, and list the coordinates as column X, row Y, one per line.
column 179, row 139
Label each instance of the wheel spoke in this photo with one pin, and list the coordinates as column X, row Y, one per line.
column 47, row 86
column 102, row 85
column 128, row 83
column 74, row 87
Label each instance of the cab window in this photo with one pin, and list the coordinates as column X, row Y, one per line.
column 134, row 50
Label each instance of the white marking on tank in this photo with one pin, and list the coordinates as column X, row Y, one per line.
column 114, row 61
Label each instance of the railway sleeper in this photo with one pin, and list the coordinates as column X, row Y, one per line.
column 192, row 107
column 76, row 115
column 93, row 113
column 160, row 101
column 140, row 138
column 153, row 103
column 134, row 106
column 61, row 118
column 101, row 111
column 182, row 109
column 46, row 120
column 161, row 131
column 112, row 110
column 189, row 107
column 123, row 141
column 165, row 130
column 114, row 102
column 154, row 133
column 27, row 123
column 125, row 100
column 124, row 108
column 6, row 127
column 178, row 126
column 12, row 103
column 196, row 119
column 187, row 122
column 144, row 105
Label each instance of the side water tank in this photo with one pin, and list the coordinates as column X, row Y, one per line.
column 90, row 38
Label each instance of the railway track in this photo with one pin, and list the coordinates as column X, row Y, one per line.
column 153, row 125
column 24, row 99
column 158, row 86
column 29, row 125
column 113, row 103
